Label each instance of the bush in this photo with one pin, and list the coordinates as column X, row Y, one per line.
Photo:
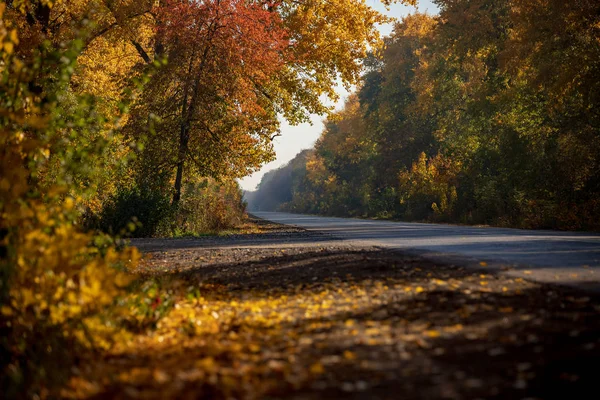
column 58, row 285
column 205, row 207
column 137, row 212
column 428, row 190
column 208, row 207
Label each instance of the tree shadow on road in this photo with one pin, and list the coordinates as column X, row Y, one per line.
column 355, row 323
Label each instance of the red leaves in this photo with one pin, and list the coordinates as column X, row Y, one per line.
column 156, row 302
column 247, row 36
column 224, row 59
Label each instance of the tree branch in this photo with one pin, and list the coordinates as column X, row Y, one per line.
column 141, row 51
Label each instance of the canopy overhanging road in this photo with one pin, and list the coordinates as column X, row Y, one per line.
column 569, row 258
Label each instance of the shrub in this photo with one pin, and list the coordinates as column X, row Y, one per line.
column 56, row 282
column 428, row 190
column 209, row 207
column 138, row 212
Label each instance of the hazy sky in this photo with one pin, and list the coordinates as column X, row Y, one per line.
column 293, row 139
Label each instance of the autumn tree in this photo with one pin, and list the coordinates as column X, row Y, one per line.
column 553, row 57
column 388, row 97
column 234, row 67
column 220, row 53
column 104, row 33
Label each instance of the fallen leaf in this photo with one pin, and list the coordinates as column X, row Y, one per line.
column 317, row 368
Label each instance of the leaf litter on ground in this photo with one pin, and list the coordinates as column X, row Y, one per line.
column 212, row 320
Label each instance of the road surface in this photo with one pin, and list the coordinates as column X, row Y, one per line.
column 568, row 258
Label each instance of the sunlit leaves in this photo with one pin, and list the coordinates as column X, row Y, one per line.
column 58, row 284
column 259, row 325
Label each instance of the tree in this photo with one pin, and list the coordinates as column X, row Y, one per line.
column 237, row 67
column 221, row 54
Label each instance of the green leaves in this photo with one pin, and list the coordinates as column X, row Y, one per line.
column 477, row 115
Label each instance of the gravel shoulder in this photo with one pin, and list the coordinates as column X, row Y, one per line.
column 279, row 312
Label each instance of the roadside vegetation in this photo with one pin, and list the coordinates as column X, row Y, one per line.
column 484, row 114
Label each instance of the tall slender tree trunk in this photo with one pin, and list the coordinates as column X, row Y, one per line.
column 184, row 137
column 187, row 112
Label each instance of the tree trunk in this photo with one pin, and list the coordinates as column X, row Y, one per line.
column 187, row 111
column 184, row 137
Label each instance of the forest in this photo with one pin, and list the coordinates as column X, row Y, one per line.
column 484, row 114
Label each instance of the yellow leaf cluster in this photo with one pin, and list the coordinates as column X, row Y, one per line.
column 53, row 279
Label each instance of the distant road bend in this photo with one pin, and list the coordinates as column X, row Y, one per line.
column 569, row 258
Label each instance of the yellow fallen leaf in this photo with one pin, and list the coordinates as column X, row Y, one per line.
column 419, row 289
column 253, row 347
column 483, row 264
column 160, row 376
column 317, row 368
column 454, row 328
column 348, row 355
column 432, row 333
column 207, row 363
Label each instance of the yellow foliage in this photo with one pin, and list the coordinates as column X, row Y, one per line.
column 433, row 181
column 53, row 279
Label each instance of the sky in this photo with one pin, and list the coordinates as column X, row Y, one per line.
column 294, row 139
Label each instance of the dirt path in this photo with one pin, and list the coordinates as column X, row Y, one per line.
column 283, row 313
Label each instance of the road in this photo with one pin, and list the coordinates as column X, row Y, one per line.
column 568, row 258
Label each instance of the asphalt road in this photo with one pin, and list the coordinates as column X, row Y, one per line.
column 568, row 258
